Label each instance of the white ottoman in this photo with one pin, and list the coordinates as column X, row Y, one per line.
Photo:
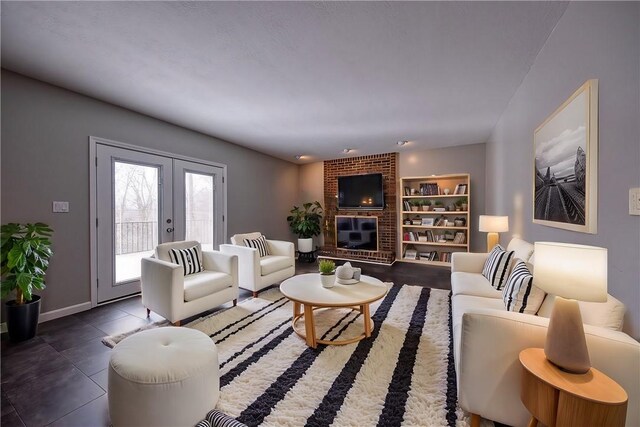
column 163, row 377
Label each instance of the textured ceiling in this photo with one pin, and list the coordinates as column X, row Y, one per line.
column 291, row 78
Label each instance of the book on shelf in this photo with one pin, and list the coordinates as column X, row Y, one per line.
column 407, row 205
column 445, row 256
column 410, row 253
column 429, row 189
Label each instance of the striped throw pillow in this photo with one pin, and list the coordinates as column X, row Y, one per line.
column 519, row 293
column 260, row 244
column 220, row 419
column 190, row 259
column 496, row 268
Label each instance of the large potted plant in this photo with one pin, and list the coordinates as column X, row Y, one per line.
column 305, row 222
column 26, row 250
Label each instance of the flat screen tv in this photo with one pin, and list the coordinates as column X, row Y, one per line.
column 361, row 192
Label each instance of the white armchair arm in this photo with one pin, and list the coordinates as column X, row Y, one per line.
column 281, row 247
column 162, row 286
column 248, row 263
column 489, row 372
column 217, row 261
column 468, row 262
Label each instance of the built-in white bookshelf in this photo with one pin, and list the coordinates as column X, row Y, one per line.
column 434, row 218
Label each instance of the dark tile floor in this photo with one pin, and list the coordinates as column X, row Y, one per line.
column 59, row 378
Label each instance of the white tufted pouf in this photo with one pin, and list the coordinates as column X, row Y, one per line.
column 163, row 377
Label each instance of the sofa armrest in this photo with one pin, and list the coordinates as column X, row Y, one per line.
column 162, row 285
column 468, row 262
column 489, row 372
column 281, row 247
column 248, row 263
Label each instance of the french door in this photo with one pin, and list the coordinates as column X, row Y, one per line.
column 144, row 199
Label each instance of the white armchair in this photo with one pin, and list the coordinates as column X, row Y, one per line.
column 169, row 293
column 256, row 273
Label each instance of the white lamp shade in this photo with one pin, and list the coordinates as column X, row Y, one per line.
column 571, row 271
column 494, row 224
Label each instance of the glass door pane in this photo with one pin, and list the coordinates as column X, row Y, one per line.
column 199, row 221
column 198, row 203
column 135, row 217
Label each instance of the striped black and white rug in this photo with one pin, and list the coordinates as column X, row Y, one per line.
column 403, row 375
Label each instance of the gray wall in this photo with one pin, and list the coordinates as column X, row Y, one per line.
column 461, row 159
column 591, row 40
column 45, row 150
column 311, row 188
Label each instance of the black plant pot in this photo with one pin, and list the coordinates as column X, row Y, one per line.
column 22, row 320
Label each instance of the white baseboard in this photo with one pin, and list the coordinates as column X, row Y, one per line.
column 66, row 311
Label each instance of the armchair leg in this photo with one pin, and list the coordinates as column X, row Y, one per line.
column 255, row 294
column 176, row 323
column 148, row 312
column 475, row 420
column 235, row 302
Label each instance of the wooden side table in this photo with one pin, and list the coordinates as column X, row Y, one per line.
column 558, row 398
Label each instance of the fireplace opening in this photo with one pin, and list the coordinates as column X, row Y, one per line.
column 357, row 232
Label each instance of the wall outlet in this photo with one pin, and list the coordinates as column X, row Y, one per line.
column 62, row 207
column 634, row 201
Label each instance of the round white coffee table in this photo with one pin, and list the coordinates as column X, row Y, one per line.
column 306, row 290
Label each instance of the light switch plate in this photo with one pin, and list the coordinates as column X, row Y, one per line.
column 61, row 207
column 634, row 201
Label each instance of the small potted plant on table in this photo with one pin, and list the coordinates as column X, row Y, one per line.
column 327, row 270
column 26, row 250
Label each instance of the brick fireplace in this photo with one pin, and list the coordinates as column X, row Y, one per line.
column 387, row 164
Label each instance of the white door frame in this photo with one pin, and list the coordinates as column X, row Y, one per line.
column 93, row 209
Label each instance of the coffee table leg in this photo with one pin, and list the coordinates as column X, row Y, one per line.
column 309, row 326
column 364, row 309
column 296, row 310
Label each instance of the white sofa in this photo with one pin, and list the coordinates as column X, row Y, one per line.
column 256, row 273
column 488, row 339
column 174, row 296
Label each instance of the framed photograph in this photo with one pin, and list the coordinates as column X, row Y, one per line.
column 565, row 173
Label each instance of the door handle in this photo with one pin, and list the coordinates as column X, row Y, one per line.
column 169, row 230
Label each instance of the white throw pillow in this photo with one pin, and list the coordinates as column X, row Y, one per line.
column 190, row 259
column 519, row 293
column 496, row 268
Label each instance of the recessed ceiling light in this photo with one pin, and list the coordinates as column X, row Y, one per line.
column 346, row 150
column 401, row 143
column 298, row 156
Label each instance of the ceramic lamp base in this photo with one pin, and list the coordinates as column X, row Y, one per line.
column 492, row 240
column 566, row 345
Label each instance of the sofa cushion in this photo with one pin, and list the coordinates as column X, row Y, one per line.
column 205, row 283
column 523, row 249
column 463, row 303
column 496, row 268
column 609, row 314
column 474, row 284
column 238, row 239
column 519, row 294
column 272, row 263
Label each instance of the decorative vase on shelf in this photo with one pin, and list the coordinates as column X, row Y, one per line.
column 426, row 208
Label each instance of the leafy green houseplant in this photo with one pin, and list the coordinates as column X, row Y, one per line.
column 415, row 205
column 305, row 222
column 327, row 270
column 25, row 253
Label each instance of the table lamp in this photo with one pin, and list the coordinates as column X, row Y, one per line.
column 493, row 225
column 569, row 271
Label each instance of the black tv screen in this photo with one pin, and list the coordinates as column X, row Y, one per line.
column 362, row 192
